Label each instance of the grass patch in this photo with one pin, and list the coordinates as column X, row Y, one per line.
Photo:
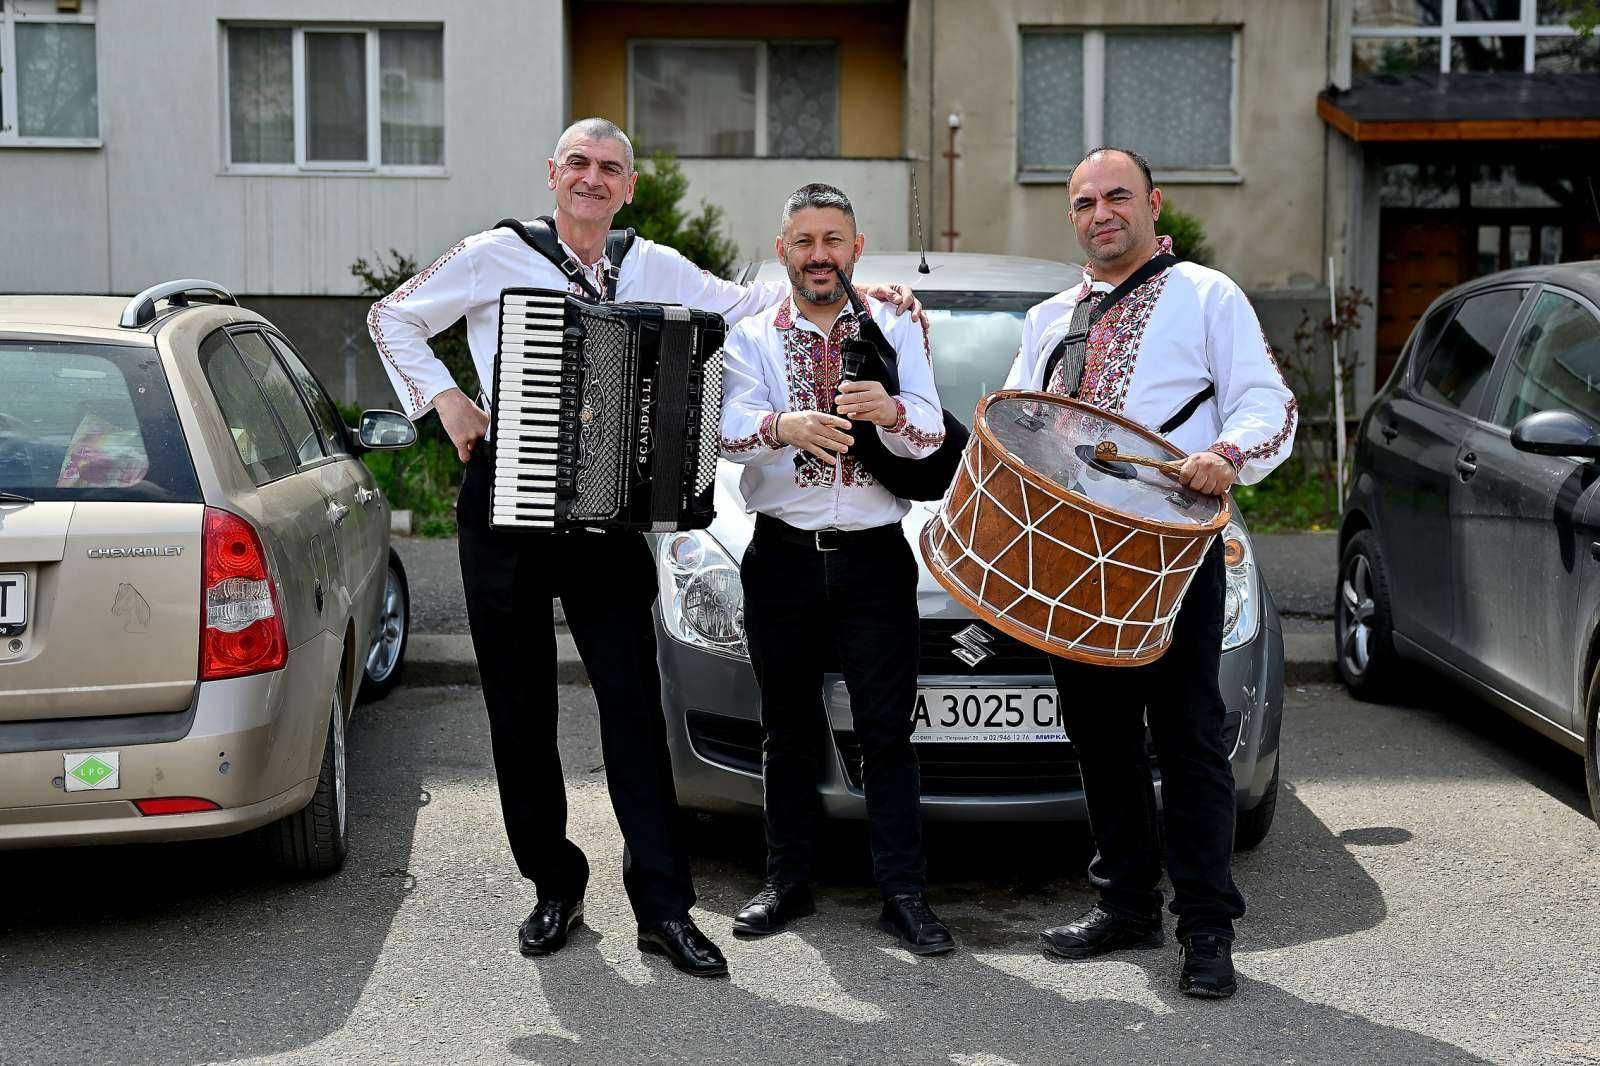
column 1294, row 498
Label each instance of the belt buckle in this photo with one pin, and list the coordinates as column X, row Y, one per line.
column 822, row 546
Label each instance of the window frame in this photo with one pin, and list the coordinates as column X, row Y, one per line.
column 373, row 165
column 1094, row 102
column 10, row 122
column 1527, row 26
column 277, row 340
column 760, row 44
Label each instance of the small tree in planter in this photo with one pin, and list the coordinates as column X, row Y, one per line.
column 1188, row 234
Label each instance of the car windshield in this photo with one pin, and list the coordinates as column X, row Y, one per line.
column 90, row 422
column 975, row 337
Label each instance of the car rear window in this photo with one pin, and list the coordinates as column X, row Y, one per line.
column 90, row 422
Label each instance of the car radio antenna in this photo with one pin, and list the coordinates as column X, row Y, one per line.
column 916, row 209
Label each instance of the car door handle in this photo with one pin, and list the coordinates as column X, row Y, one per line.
column 1389, row 431
column 337, row 513
column 1467, row 465
column 365, row 496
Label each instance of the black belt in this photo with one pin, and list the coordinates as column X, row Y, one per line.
column 824, row 540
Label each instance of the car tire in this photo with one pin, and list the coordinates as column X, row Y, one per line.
column 1363, row 623
column 1252, row 826
column 380, row 673
column 312, row 842
column 1591, row 746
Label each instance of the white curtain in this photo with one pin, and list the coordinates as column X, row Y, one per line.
column 411, row 76
column 1169, row 97
column 57, row 91
column 260, row 96
column 1052, row 100
column 695, row 100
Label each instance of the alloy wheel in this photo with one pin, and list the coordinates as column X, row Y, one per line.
column 385, row 653
column 1357, row 613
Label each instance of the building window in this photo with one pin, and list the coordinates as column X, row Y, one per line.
column 1465, row 36
column 334, row 98
column 1081, row 88
column 734, row 98
column 49, row 87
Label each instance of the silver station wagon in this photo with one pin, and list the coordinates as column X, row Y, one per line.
column 988, row 736
column 195, row 577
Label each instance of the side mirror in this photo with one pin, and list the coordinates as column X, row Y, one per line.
column 386, row 429
column 1556, row 433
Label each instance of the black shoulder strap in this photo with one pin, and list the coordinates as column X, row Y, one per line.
column 541, row 237
column 618, row 241
column 1187, row 411
column 1072, row 349
column 1078, row 331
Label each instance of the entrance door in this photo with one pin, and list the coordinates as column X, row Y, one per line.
column 1419, row 259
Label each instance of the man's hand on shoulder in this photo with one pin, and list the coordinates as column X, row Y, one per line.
column 464, row 421
column 1207, row 472
column 822, row 435
column 901, row 296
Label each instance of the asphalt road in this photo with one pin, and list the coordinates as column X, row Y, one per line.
column 1427, row 896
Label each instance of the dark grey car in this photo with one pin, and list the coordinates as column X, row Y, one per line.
column 975, row 305
column 1471, row 541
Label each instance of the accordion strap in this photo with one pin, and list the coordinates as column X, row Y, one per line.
column 541, row 237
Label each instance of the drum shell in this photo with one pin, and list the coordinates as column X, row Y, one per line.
column 1054, row 569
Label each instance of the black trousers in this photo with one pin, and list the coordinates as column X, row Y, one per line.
column 805, row 610
column 607, row 583
column 1104, row 710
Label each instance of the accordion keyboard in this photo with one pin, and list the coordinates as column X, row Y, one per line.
column 533, row 450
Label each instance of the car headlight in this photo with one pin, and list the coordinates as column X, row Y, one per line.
column 1241, row 605
column 702, row 600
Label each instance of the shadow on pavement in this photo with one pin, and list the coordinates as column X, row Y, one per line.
column 211, row 956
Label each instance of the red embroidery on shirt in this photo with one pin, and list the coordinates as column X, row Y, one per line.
column 813, row 368
column 413, row 390
column 1113, row 346
column 1291, row 409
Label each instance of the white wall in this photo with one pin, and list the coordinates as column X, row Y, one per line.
column 752, row 192
column 155, row 202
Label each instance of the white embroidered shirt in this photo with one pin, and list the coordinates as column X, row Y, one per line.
column 779, row 361
column 468, row 278
column 1160, row 346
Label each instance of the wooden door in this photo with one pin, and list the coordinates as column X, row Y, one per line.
column 1418, row 260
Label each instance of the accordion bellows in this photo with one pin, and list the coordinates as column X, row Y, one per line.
column 604, row 416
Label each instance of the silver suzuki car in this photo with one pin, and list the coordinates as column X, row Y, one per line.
column 195, row 577
column 970, row 770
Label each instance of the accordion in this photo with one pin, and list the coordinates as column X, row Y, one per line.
column 604, row 416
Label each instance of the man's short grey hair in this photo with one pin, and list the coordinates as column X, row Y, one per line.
column 817, row 194
column 598, row 129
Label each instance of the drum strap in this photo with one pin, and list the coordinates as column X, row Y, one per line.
column 1187, row 411
column 541, row 237
column 1073, row 347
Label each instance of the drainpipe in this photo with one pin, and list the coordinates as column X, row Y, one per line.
column 950, row 233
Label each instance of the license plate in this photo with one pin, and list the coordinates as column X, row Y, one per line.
column 986, row 716
column 13, row 604
column 92, row 771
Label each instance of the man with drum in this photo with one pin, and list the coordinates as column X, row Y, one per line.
column 1179, row 350
column 828, row 575
column 606, row 581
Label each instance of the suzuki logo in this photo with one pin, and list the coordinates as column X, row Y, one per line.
column 972, row 645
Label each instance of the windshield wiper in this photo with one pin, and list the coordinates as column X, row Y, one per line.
column 14, row 497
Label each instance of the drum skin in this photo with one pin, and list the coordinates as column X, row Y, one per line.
column 1044, row 562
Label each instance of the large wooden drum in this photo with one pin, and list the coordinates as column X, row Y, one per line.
column 1076, row 556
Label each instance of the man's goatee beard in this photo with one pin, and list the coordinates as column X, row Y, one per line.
column 814, row 297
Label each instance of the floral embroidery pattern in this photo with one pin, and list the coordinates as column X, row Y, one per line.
column 1113, row 346
column 414, row 395
column 1291, row 412
column 1229, row 451
column 765, row 436
column 814, row 367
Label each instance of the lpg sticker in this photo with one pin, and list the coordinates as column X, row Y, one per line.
column 97, row 771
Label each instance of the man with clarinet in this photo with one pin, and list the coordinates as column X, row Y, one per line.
column 606, row 580
column 829, row 579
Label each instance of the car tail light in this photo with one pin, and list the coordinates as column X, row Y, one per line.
column 242, row 631
column 175, row 805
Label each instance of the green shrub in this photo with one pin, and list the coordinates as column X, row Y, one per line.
column 1188, row 234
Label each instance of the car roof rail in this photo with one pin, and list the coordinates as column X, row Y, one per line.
column 141, row 310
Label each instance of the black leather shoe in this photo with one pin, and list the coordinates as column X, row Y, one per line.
column 1207, row 967
column 910, row 920
column 685, row 946
column 773, row 908
column 544, row 932
column 1096, row 932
